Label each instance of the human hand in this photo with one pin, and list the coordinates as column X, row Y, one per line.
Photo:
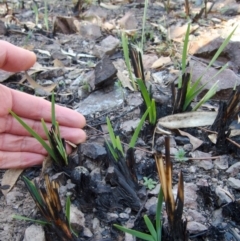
column 17, row 148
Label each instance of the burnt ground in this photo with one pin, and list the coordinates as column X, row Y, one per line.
column 72, row 55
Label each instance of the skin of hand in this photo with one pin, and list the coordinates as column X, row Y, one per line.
column 17, row 148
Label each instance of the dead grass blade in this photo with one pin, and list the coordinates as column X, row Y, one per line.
column 174, row 208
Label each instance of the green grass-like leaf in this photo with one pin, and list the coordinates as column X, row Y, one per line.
column 135, row 233
column 184, row 54
column 150, row 227
column 138, row 129
column 144, row 23
column 111, row 133
column 67, row 213
column 19, row 217
column 34, row 134
column 127, row 59
column 211, row 92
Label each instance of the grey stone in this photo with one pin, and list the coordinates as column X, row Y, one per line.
column 107, row 46
column 198, row 217
column 101, row 101
column 222, row 162
column 130, row 125
column 124, row 216
column 77, row 219
column 223, row 197
column 87, row 233
column 105, row 72
column 205, row 164
column 234, row 183
column 195, row 227
column 128, row 21
column 34, row 232
column 89, row 31
column 234, row 169
column 112, row 217
column 217, row 217
column 93, row 150
column 12, row 196
column 151, row 201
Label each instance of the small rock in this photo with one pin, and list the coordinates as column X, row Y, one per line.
column 156, row 190
column 130, row 125
column 192, row 169
column 128, row 21
column 188, row 147
column 150, row 202
column 88, row 30
column 195, row 227
column 234, row 183
column 12, row 196
column 87, row 233
column 77, row 219
column 223, row 197
column 93, row 150
column 222, row 162
column 129, row 237
column 34, row 232
column 198, row 217
column 104, row 72
column 217, row 217
column 234, row 169
column 205, row 164
column 101, row 101
column 124, row 216
column 107, row 46
column 112, row 217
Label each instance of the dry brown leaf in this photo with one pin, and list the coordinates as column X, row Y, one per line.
column 35, row 85
column 58, row 63
column 126, row 82
column 161, row 62
column 9, row 178
column 193, row 140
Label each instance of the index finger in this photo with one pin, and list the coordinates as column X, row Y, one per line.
column 14, row 59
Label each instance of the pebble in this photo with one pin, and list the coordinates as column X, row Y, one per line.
column 34, row 232
column 234, row 183
column 194, row 227
column 151, row 201
column 124, row 216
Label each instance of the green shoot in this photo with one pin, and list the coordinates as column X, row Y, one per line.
column 67, row 213
column 155, row 232
column 56, row 149
column 35, row 135
column 138, row 129
column 143, row 24
column 195, row 89
column 149, row 103
column 115, row 142
column 149, row 183
column 127, row 59
column 35, row 10
column 19, row 217
column 184, row 55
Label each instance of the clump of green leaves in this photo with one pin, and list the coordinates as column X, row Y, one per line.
column 155, row 233
column 149, row 183
column 195, row 89
column 48, row 202
column 115, row 145
column 181, row 155
column 57, row 147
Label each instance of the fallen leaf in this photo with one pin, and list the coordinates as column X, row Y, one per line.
column 109, row 6
column 125, row 81
column 9, row 178
column 35, row 85
column 189, row 119
column 4, row 75
column 44, row 52
column 58, row 63
column 161, row 62
column 193, row 140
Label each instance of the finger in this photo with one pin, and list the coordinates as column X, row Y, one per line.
column 41, row 108
column 14, row 143
column 14, row 59
column 19, row 159
column 10, row 125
